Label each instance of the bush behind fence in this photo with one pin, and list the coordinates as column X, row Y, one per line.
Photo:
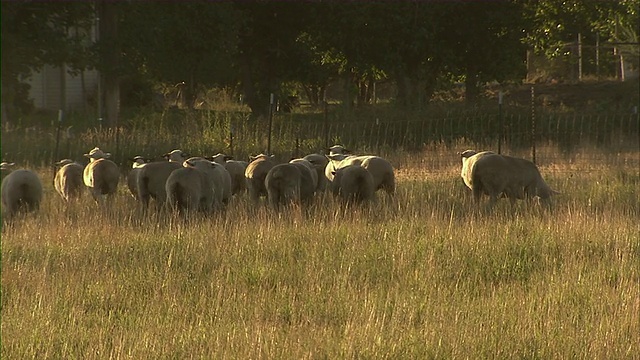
column 209, row 132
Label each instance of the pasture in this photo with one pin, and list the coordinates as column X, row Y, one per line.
column 423, row 275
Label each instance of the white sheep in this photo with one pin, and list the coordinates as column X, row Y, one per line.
column 498, row 175
column 132, row 178
column 221, row 180
column 256, row 173
column 20, row 188
column 101, row 175
column 380, row 169
column 283, row 185
column 236, row 169
column 189, row 189
column 319, row 163
column 153, row 176
column 353, row 183
column 68, row 180
column 309, row 180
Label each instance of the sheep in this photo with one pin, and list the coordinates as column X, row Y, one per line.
column 153, row 176
column 236, row 169
column 189, row 189
column 256, row 173
column 502, row 175
column 353, row 183
column 68, row 180
column 101, row 175
column 218, row 173
column 132, row 178
column 380, row 169
column 309, row 178
column 319, row 163
column 20, row 188
column 283, row 185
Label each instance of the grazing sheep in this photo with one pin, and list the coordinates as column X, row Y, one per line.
column 20, row 188
column 319, row 163
column 132, row 178
column 221, row 180
column 68, row 180
column 176, row 155
column 256, row 173
column 189, row 189
column 101, row 175
column 309, row 179
column 353, row 183
column 151, row 181
column 502, row 175
column 380, row 169
column 283, row 185
column 236, row 169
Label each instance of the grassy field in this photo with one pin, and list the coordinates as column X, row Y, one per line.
column 423, row 275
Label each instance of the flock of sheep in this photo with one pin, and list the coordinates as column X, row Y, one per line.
column 183, row 183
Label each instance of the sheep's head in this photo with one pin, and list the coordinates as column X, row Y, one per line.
column 260, row 156
column 467, row 153
column 63, row 162
column 6, row 168
column 176, row 155
column 338, row 149
column 96, row 154
column 139, row 161
column 219, row 158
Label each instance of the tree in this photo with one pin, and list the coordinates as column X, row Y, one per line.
column 35, row 34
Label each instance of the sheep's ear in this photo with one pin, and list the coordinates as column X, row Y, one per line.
column 87, row 155
column 346, row 151
column 228, row 157
column 272, row 156
column 333, row 172
column 210, row 158
column 107, row 155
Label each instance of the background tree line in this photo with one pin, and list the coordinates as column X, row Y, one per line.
column 262, row 47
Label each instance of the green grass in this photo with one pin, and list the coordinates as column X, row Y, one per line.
column 425, row 275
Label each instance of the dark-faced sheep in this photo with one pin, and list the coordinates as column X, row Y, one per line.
column 68, row 180
column 498, row 175
column 283, row 185
column 256, row 173
column 101, row 175
column 20, row 189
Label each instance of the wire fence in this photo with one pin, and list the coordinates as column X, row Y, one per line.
column 551, row 136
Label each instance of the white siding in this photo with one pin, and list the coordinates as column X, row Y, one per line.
column 48, row 87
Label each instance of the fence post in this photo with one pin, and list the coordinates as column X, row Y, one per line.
column 271, row 98
column 533, row 126
column 500, row 134
column 55, row 153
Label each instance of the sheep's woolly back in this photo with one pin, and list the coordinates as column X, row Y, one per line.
column 68, row 181
column 21, row 188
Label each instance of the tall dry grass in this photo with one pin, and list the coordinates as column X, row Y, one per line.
column 424, row 275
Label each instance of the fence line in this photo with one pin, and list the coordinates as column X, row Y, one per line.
column 296, row 136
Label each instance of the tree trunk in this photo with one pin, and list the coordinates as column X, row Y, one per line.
column 108, row 29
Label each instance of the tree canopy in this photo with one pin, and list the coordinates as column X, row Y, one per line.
column 259, row 47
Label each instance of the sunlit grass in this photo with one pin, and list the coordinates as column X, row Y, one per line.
column 423, row 275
